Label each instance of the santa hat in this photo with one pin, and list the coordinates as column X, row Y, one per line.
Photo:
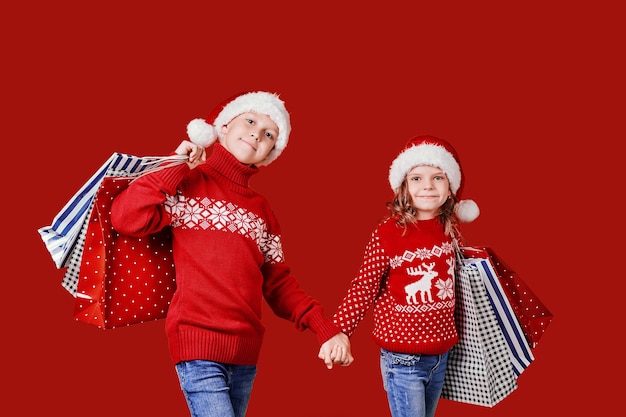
column 204, row 132
column 429, row 150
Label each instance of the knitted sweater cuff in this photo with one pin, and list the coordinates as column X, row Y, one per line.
column 323, row 327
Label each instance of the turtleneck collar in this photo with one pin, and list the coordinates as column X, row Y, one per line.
column 225, row 164
column 430, row 224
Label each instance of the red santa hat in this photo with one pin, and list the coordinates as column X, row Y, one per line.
column 205, row 132
column 429, row 150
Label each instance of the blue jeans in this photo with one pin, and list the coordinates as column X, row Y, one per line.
column 413, row 382
column 214, row 389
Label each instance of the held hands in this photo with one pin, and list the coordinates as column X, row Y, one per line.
column 336, row 350
column 196, row 153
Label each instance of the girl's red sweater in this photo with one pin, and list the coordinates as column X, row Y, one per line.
column 409, row 280
column 228, row 257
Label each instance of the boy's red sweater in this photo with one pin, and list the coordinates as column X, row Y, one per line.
column 228, row 257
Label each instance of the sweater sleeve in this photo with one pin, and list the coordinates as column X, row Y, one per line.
column 139, row 209
column 364, row 288
column 289, row 301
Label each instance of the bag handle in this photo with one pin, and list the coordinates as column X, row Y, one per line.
column 457, row 241
column 154, row 164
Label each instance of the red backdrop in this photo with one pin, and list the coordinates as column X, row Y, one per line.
column 529, row 94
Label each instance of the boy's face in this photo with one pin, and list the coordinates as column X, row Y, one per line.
column 250, row 137
column 429, row 189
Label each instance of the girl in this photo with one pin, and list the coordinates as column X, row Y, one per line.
column 407, row 274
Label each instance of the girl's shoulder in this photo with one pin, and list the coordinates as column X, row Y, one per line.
column 387, row 226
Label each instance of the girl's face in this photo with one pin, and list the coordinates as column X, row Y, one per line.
column 250, row 137
column 429, row 188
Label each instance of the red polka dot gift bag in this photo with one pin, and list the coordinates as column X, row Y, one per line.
column 64, row 237
column 122, row 280
column 533, row 315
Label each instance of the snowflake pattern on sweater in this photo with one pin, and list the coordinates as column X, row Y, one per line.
column 409, row 281
column 211, row 214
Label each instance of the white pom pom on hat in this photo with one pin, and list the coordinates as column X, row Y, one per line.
column 205, row 132
column 429, row 150
column 201, row 133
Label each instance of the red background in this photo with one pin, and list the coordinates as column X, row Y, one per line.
column 531, row 94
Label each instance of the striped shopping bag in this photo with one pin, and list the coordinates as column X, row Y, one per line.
column 520, row 349
column 533, row 315
column 64, row 237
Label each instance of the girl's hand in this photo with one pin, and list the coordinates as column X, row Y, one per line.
column 336, row 350
column 196, row 153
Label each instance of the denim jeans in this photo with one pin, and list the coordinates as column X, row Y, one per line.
column 214, row 389
column 413, row 382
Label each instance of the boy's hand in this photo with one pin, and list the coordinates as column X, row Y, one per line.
column 336, row 350
column 196, row 153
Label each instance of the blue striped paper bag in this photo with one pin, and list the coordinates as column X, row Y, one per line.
column 63, row 236
column 521, row 355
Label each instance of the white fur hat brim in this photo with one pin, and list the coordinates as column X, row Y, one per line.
column 425, row 154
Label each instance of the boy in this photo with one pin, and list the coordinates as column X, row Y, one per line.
column 227, row 253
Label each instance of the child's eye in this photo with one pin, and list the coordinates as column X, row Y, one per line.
column 414, row 178
column 439, row 177
column 269, row 135
column 249, row 121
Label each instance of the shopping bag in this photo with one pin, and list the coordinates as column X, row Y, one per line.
column 520, row 350
column 479, row 367
column 64, row 237
column 123, row 280
column 532, row 314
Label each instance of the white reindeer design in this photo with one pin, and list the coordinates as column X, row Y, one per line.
column 422, row 285
column 450, row 263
